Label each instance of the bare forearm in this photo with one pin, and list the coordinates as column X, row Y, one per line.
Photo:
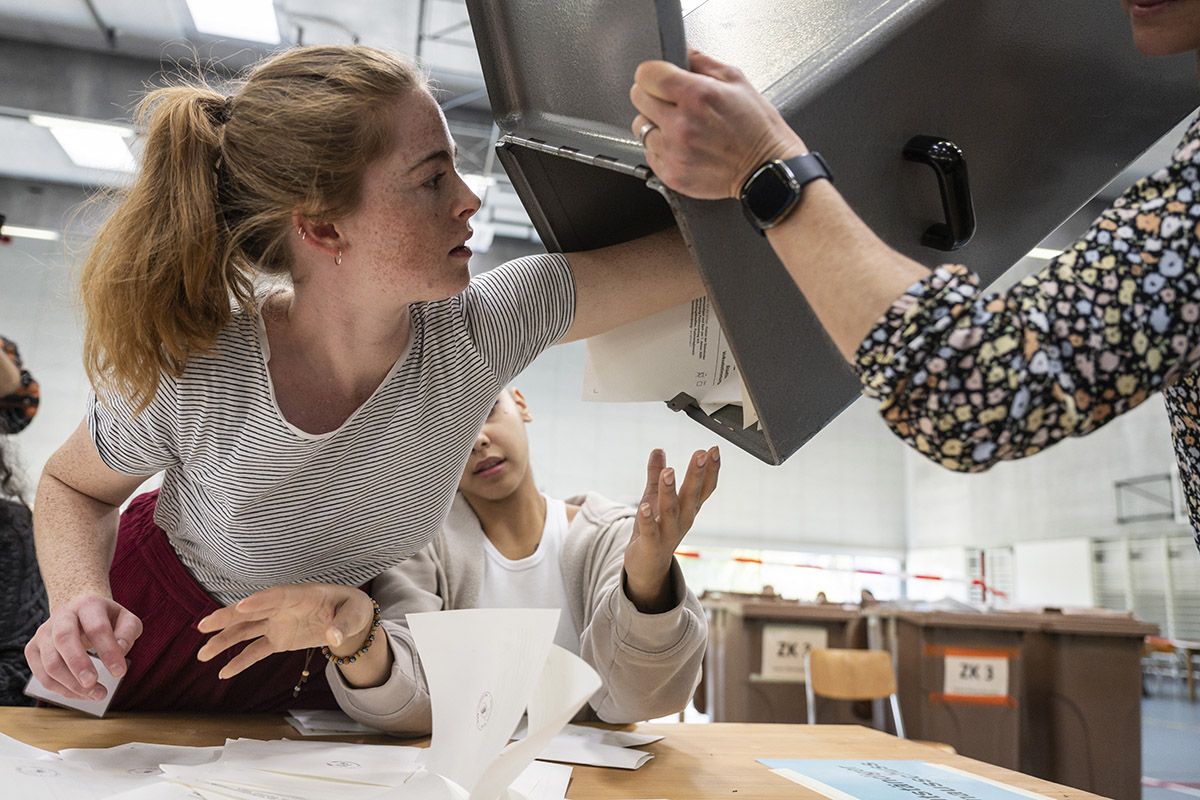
column 625, row 282
column 75, row 537
column 847, row 274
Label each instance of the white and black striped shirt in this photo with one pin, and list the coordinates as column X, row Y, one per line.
column 248, row 501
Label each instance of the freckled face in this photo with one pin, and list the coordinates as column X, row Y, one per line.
column 410, row 229
column 1164, row 27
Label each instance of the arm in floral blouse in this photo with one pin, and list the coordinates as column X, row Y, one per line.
column 19, row 401
column 970, row 379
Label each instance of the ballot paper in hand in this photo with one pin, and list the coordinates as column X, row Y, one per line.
column 682, row 349
column 96, row 708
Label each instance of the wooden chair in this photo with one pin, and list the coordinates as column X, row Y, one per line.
column 850, row 675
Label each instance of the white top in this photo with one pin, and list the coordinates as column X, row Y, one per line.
column 249, row 501
column 535, row 581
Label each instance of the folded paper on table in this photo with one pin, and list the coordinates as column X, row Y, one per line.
column 15, row 748
column 381, row 764
column 681, row 349
column 326, row 722
column 31, row 777
column 578, row 744
column 893, row 780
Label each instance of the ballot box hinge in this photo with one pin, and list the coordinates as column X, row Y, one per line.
column 639, row 171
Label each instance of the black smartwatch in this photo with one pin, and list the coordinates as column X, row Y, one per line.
column 773, row 190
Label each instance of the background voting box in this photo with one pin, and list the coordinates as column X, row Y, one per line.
column 750, row 672
column 975, row 125
column 1051, row 694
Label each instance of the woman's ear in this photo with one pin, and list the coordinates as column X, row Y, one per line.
column 324, row 236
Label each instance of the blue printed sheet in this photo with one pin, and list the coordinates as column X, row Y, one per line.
column 893, row 780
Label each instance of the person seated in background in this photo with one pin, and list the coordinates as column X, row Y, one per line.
column 24, row 605
column 19, row 393
column 626, row 609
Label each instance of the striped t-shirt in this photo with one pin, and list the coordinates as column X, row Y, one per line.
column 249, row 501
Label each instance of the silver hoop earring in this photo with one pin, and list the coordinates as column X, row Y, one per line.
column 338, row 260
column 303, row 233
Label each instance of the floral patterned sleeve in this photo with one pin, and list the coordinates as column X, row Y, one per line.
column 970, row 379
column 18, row 408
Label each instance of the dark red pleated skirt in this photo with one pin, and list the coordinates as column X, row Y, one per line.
column 164, row 674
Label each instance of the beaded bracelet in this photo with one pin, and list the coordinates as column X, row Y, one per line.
column 362, row 651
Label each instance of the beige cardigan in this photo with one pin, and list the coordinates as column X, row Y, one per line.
column 649, row 663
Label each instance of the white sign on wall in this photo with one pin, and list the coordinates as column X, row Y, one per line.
column 784, row 646
column 976, row 676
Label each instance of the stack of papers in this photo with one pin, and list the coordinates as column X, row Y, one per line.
column 486, row 668
column 682, row 349
column 578, row 744
column 326, row 722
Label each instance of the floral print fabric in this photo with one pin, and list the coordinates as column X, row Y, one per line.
column 970, row 379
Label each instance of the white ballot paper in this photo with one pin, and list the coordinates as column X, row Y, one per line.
column 326, row 722
column 485, row 667
column 682, row 349
column 15, row 748
column 27, row 777
column 578, row 744
column 96, row 708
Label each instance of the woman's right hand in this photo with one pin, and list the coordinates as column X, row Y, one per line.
column 712, row 128
column 57, row 653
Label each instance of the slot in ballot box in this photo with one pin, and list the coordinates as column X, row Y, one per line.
column 1052, row 694
column 976, row 126
column 754, row 666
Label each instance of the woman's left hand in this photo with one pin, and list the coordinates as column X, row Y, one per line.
column 292, row 617
column 663, row 518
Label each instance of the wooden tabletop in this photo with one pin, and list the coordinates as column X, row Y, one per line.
column 693, row 762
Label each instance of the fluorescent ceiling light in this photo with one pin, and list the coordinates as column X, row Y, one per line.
column 1043, row 253
column 30, row 233
column 96, row 145
column 47, row 121
column 251, row 20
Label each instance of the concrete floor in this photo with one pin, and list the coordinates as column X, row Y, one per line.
column 1170, row 743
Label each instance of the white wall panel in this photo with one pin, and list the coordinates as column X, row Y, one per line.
column 1053, row 573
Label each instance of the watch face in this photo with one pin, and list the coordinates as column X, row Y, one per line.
column 770, row 192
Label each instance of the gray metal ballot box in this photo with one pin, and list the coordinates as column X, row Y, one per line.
column 960, row 130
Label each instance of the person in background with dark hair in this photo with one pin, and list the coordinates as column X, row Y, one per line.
column 24, row 598
column 19, row 394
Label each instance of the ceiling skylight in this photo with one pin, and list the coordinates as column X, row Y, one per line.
column 251, row 20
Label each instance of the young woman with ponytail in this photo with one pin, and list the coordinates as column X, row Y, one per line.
column 310, row 432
